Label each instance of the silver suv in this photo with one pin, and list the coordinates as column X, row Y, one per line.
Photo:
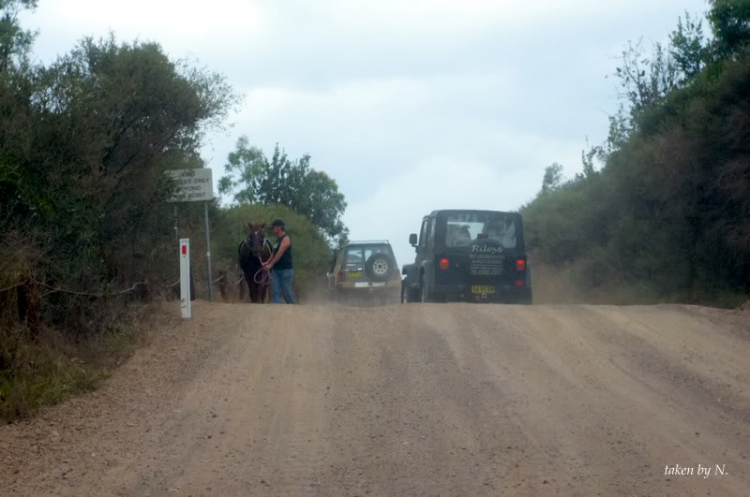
column 364, row 271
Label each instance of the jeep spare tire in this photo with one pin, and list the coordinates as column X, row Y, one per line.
column 379, row 267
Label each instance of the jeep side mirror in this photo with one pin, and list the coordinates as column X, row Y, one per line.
column 413, row 239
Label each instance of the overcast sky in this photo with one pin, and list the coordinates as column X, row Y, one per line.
column 410, row 105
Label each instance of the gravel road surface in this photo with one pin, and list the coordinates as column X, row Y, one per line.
column 423, row 399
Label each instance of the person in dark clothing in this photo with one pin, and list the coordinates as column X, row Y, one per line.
column 280, row 265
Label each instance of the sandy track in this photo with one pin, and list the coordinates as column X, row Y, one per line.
column 407, row 400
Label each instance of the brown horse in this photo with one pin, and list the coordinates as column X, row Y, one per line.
column 253, row 252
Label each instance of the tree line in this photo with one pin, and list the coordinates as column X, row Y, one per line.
column 666, row 214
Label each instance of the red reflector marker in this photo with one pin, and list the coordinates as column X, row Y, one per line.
column 520, row 265
column 184, row 250
column 444, row 264
column 519, row 283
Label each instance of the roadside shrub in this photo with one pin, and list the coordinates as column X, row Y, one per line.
column 85, row 229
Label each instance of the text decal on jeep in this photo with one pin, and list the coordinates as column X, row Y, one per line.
column 486, row 264
column 487, row 249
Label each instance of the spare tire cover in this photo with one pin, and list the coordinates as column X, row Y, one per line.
column 379, row 267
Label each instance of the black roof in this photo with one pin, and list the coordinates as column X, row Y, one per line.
column 440, row 211
column 368, row 242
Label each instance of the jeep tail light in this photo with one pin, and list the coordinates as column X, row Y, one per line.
column 444, row 263
column 519, row 283
column 520, row 265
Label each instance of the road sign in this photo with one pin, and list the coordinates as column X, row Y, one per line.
column 192, row 184
column 185, row 304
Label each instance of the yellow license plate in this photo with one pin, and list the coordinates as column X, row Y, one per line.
column 482, row 289
column 355, row 274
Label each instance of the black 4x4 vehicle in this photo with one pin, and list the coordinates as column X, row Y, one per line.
column 469, row 255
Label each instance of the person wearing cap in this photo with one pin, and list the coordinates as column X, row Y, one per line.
column 280, row 265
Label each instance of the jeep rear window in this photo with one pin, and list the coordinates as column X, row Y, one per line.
column 357, row 255
column 465, row 227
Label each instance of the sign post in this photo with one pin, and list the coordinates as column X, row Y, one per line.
column 185, row 304
column 208, row 255
column 196, row 185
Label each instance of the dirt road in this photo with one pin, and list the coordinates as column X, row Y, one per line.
column 407, row 400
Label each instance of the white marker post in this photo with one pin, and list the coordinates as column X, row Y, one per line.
column 185, row 306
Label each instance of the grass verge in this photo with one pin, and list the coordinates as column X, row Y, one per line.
column 45, row 370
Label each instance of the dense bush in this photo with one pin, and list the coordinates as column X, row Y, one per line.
column 84, row 143
column 668, row 214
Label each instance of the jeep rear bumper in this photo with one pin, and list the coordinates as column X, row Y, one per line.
column 504, row 293
column 375, row 289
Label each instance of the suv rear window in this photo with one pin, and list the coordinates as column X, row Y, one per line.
column 465, row 227
column 357, row 255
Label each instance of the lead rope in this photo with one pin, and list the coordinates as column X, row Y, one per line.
column 265, row 275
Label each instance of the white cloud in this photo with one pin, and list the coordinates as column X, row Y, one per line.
column 377, row 128
column 168, row 19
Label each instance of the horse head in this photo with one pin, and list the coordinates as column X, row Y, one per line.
column 256, row 238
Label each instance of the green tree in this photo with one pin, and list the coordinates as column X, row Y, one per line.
column 252, row 178
column 552, row 178
column 83, row 150
column 666, row 217
column 688, row 47
column 730, row 22
column 646, row 80
column 133, row 113
column 15, row 42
